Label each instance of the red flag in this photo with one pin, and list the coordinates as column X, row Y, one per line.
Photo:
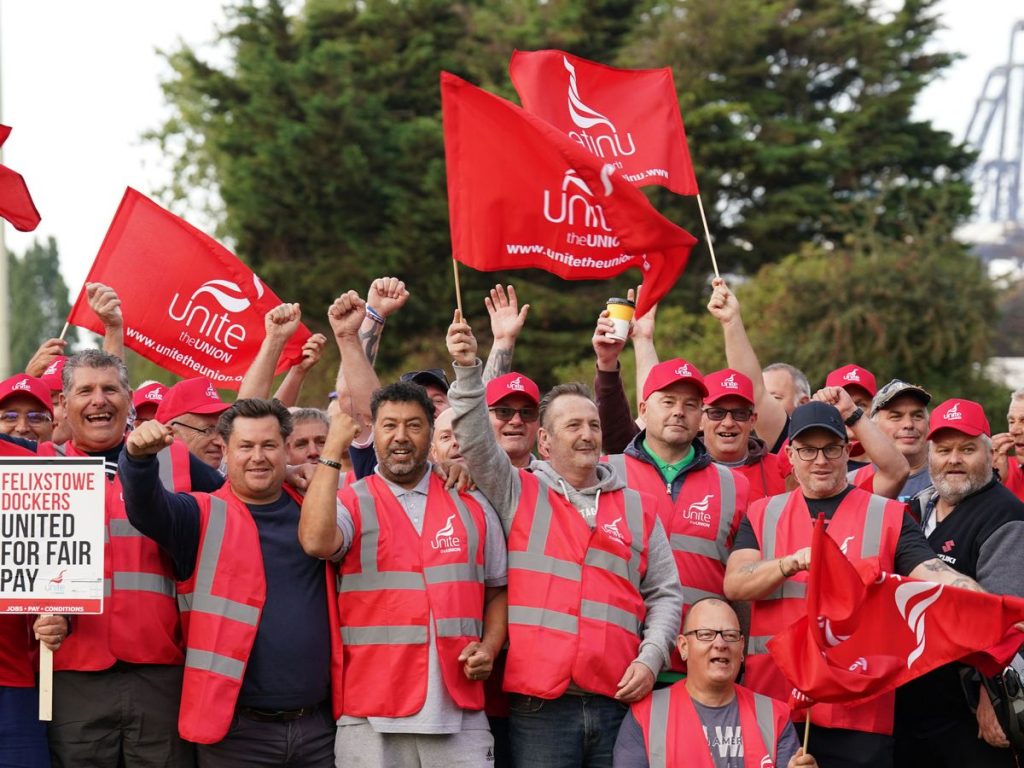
column 868, row 632
column 15, row 202
column 189, row 304
column 629, row 117
column 522, row 194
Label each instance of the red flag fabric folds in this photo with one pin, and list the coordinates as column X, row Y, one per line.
column 15, row 202
column 189, row 304
column 869, row 632
column 629, row 117
column 522, row 194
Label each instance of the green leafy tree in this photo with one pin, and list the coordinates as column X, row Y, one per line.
column 318, row 145
column 38, row 299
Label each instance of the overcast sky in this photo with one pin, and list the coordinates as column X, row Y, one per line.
column 79, row 83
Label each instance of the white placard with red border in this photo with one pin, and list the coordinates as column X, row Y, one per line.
column 51, row 535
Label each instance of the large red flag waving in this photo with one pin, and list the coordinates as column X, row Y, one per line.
column 868, row 632
column 189, row 304
column 522, row 194
column 629, row 117
column 15, row 202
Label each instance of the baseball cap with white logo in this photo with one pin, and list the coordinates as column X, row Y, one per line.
column 53, row 374
column 853, row 376
column 196, row 395
column 30, row 386
column 152, row 393
column 728, row 383
column 668, row 373
column 964, row 416
column 512, row 384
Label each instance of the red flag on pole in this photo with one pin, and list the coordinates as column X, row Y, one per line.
column 189, row 304
column 521, row 194
column 15, row 202
column 866, row 633
column 628, row 117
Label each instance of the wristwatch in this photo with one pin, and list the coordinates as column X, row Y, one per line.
column 854, row 417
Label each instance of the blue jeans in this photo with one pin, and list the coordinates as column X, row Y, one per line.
column 567, row 732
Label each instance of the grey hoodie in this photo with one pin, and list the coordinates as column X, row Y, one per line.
column 500, row 482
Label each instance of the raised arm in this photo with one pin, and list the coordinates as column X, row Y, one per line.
column 46, row 354
column 892, row 467
column 346, row 315
column 385, row 296
column 319, row 534
column 724, row 307
column 103, row 300
column 507, row 321
column 750, row 577
column 280, row 323
column 617, row 425
column 488, row 465
column 291, row 387
column 643, row 348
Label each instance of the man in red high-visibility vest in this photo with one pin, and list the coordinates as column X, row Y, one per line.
column 771, row 556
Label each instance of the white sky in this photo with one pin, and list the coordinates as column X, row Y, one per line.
column 79, row 83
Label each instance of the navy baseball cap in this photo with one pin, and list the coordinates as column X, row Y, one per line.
column 816, row 415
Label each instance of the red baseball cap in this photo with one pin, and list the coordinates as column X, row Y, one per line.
column 190, row 396
column 853, row 375
column 151, row 394
column 728, row 383
column 53, row 374
column 512, row 384
column 665, row 374
column 23, row 384
column 962, row 415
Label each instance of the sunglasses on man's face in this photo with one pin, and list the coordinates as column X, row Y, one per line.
column 502, row 413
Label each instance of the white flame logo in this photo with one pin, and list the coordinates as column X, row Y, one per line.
column 581, row 114
column 446, row 530
column 846, row 543
column 572, row 180
column 612, row 528
column 905, row 593
column 953, row 414
column 703, row 504
column 217, row 288
column 853, row 375
column 830, row 637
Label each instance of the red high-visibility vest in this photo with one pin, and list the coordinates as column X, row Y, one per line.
column 574, row 605
column 674, row 734
column 393, row 580
column 766, row 477
column 866, row 527
column 139, row 623
column 701, row 523
column 221, row 603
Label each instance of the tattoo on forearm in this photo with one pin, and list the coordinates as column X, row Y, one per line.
column 935, row 566
column 752, row 566
column 370, row 339
column 499, row 362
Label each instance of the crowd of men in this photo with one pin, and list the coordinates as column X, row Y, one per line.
column 463, row 571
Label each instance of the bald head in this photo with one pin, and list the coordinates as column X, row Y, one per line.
column 710, row 606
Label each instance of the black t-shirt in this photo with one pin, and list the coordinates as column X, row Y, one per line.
column 912, row 547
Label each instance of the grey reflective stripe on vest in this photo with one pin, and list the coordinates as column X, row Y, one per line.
column 143, row 582
column 165, row 468
column 658, row 733
column 618, row 463
column 397, row 635
column 694, row 545
column 765, row 715
column 121, row 526
column 543, row 617
column 726, row 510
column 591, row 609
column 794, row 589
column 758, row 644
column 470, row 571
column 372, row 579
column 772, row 515
column 459, row 627
column 851, row 476
column 635, row 522
column 107, row 588
column 871, row 542
column 202, row 599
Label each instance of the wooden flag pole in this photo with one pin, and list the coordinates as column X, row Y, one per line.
column 807, row 729
column 707, row 235
column 64, row 332
column 45, row 683
column 458, row 288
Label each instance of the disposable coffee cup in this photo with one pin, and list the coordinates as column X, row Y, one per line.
column 621, row 312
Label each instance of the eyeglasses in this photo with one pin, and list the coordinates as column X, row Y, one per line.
column 707, row 635
column 204, row 431
column 738, row 414
column 832, row 451
column 35, row 418
column 502, row 413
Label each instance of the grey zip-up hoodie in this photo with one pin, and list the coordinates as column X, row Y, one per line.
column 500, row 482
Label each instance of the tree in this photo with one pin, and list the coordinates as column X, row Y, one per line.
column 319, row 143
column 39, row 302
